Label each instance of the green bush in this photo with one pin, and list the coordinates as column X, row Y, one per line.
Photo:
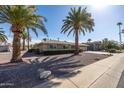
column 80, row 50
column 61, row 51
column 36, row 51
column 118, row 51
column 109, row 45
column 112, row 50
column 53, row 51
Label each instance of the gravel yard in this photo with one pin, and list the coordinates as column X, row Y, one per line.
column 25, row 74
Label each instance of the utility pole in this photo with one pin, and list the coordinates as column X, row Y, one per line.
column 120, row 35
column 119, row 24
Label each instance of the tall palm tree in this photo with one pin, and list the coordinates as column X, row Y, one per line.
column 20, row 18
column 119, row 25
column 3, row 37
column 24, row 38
column 28, row 40
column 77, row 21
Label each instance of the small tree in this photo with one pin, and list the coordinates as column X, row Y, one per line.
column 109, row 44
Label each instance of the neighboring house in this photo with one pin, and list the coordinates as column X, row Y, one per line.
column 93, row 46
column 56, row 44
column 4, row 48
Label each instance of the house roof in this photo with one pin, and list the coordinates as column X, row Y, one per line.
column 94, row 42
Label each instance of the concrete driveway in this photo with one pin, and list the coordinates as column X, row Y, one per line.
column 5, row 57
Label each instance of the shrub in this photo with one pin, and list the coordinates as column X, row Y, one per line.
column 109, row 45
column 53, row 51
column 118, row 51
column 58, row 51
column 80, row 50
column 36, row 51
column 112, row 50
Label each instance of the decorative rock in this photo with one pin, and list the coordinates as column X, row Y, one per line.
column 97, row 58
column 43, row 74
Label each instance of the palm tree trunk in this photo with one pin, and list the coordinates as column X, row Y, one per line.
column 16, row 55
column 28, row 40
column 76, row 42
column 120, row 35
column 23, row 44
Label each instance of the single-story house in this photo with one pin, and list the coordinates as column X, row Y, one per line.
column 56, row 44
column 93, row 46
column 4, row 48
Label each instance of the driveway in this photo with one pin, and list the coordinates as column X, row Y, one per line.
column 5, row 57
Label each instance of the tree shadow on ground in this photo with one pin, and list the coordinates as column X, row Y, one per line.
column 26, row 75
column 29, row 54
column 47, row 84
column 59, row 66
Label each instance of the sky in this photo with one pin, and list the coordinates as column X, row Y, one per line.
column 105, row 19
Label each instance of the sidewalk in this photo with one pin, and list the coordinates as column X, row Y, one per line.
column 100, row 52
column 105, row 73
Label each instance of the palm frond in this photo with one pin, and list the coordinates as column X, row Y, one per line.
column 79, row 20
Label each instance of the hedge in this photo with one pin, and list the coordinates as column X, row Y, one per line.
column 36, row 51
column 114, row 50
column 53, row 51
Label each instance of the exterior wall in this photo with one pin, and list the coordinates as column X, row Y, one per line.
column 54, row 46
column 84, row 48
column 4, row 48
column 58, row 46
column 94, row 47
column 43, row 46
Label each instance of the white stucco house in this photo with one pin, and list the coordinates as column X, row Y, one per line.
column 5, row 48
column 57, row 44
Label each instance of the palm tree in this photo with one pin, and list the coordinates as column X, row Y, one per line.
column 119, row 24
column 89, row 40
column 28, row 40
column 77, row 21
column 20, row 18
column 3, row 37
column 24, row 38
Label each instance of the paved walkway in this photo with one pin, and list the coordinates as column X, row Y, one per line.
column 100, row 52
column 105, row 73
column 5, row 57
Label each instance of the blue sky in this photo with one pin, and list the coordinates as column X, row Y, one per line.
column 105, row 19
